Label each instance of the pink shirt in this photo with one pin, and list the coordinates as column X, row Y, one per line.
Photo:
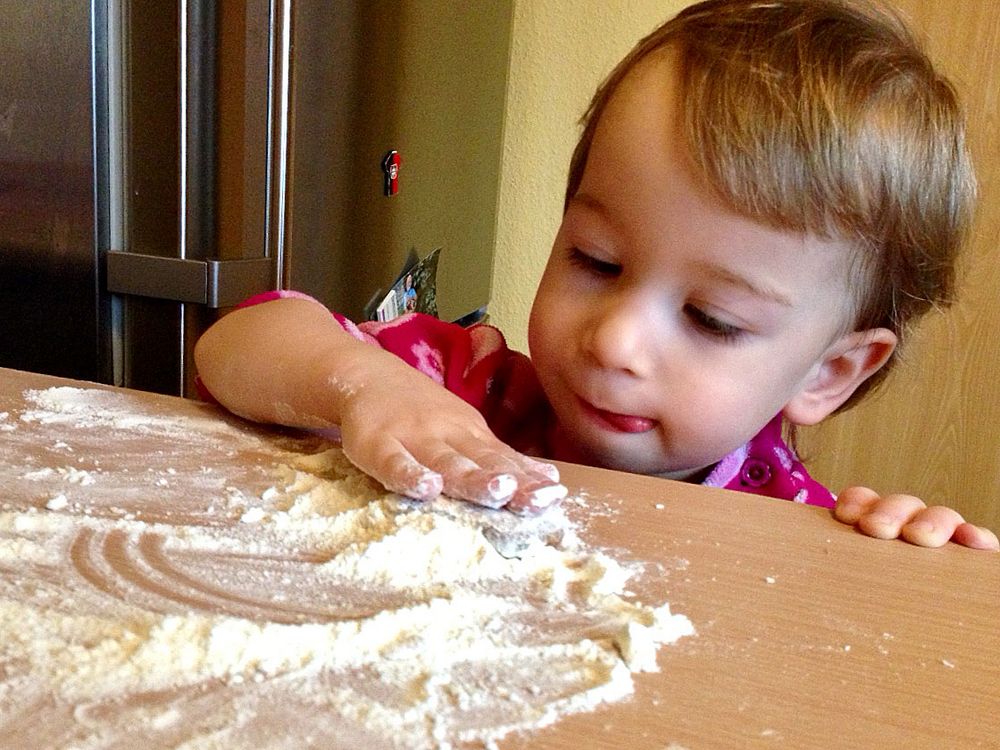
column 476, row 364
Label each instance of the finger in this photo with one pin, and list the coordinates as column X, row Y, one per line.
column 501, row 457
column 547, row 470
column 932, row 527
column 853, row 503
column 497, row 462
column 885, row 518
column 536, row 496
column 465, row 479
column 976, row 537
column 534, row 477
column 481, row 487
column 398, row 471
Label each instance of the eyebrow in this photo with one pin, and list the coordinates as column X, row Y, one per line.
column 732, row 278
column 591, row 205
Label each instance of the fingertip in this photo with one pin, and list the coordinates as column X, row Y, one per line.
column 399, row 472
column 536, row 498
column 428, row 487
column 878, row 526
column 501, row 487
column 488, row 489
column 853, row 502
column 925, row 534
column 976, row 537
column 847, row 512
column 547, row 470
column 547, row 497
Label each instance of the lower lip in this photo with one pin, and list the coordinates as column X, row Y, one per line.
column 621, row 422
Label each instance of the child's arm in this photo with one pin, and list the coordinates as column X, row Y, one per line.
column 288, row 361
column 908, row 517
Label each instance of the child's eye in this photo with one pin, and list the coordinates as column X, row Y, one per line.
column 711, row 325
column 595, row 265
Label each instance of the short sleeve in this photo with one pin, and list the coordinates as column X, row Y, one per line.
column 474, row 363
column 463, row 360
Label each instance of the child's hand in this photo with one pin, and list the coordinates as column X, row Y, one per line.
column 420, row 440
column 908, row 517
column 289, row 362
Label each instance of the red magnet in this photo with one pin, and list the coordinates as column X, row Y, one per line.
column 390, row 168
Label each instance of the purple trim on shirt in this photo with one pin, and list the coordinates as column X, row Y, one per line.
column 767, row 466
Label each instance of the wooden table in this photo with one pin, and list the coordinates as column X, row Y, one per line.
column 808, row 633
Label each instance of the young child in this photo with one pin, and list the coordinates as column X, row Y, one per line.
column 764, row 197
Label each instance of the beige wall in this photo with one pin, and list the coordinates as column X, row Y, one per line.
column 560, row 52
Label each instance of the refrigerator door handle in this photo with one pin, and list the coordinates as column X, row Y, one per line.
column 213, row 283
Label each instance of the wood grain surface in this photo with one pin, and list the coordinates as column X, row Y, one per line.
column 808, row 633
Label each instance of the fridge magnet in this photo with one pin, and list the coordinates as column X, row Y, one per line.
column 390, row 172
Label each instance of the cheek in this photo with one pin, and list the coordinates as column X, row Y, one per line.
column 545, row 312
column 552, row 329
column 543, row 333
column 537, row 331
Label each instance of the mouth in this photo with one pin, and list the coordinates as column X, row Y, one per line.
column 625, row 423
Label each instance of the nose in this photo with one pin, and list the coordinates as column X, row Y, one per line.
column 619, row 335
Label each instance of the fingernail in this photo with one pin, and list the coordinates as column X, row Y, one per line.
column 548, row 470
column 502, row 486
column 428, row 487
column 544, row 497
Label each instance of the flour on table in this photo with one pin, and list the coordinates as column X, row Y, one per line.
column 276, row 597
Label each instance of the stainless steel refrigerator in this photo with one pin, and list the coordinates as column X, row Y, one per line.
column 160, row 161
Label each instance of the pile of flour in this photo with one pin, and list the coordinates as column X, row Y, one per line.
column 304, row 607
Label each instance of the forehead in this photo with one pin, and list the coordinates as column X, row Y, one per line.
column 639, row 164
column 642, row 111
column 638, row 171
column 641, row 183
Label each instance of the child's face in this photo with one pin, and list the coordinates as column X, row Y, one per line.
column 667, row 329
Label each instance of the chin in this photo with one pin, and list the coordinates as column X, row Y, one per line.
column 616, row 461
column 605, row 457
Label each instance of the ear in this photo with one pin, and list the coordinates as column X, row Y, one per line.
column 845, row 365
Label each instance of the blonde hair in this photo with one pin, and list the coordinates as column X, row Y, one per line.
column 825, row 117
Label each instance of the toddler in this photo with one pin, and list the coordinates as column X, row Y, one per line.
column 764, row 196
